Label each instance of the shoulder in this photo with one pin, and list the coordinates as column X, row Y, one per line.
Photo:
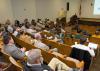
column 79, row 46
column 46, row 67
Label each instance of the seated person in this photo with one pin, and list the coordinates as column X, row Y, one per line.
column 96, row 35
column 58, row 65
column 40, row 25
column 17, row 31
column 1, row 31
column 62, row 33
column 83, row 47
column 33, row 23
column 29, row 29
column 78, row 35
column 35, row 61
column 11, row 49
column 17, row 23
column 10, row 28
column 38, row 43
column 86, row 33
column 79, row 64
column 26, row 21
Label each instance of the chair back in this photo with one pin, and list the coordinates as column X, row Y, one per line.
column 15, row 63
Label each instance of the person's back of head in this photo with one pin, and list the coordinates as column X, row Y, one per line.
column 82, row 40
column 17, row 23
column 27, row 25
column 38, row 36
column 38, row 20
column 26, row 20
column 34, row 56
column 6, row 38
column 8, row 22
column 1, row 31
column 33, row 22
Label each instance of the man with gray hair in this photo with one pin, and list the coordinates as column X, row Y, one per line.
column 35, row 61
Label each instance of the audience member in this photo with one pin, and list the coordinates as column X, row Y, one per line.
column 83, row 47
column 35, row 61
column 33, row 22
column 17, row 23
column 11, row 49
column 97, row 34
column 8, row 22
column 38, row 43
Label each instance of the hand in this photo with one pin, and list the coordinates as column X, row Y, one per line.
column 23, row 49
column 18, row 29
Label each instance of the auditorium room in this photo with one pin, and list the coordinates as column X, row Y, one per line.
column 49, row 35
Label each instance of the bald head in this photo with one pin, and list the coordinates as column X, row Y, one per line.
column 37, row 36
column 34, row 56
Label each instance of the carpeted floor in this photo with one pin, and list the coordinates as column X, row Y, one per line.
column 96, row 64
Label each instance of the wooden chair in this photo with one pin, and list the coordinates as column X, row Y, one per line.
column 6, row 60
column 62, row 48
column 68, row 41
column 94, row 40
column 22, row 43
column 16, row 64
column 4, row 52
column 47, row 56
column 46, row 33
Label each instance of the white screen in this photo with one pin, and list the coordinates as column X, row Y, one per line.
column 97, row 7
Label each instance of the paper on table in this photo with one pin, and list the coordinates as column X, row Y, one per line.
column 93, row 45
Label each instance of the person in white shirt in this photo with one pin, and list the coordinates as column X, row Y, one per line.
column 35, row 62
column 10, row 29
column 30, row 31
column 83, row 47
column 38, row 43
column 16, row 32
column 23, row 28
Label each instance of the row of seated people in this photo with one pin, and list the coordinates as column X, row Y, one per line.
column 17, row 53
column 7, row 41
column 60, row 34
column 39, row 44
column 29, row 31
column 17, row 33
column 35, row 24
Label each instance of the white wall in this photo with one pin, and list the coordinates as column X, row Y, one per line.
column 74, row 6
column 5, row 10
column 43, row 8
column 87, row 9
column 24, row 9
column 21, row 9
column 50, row 8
